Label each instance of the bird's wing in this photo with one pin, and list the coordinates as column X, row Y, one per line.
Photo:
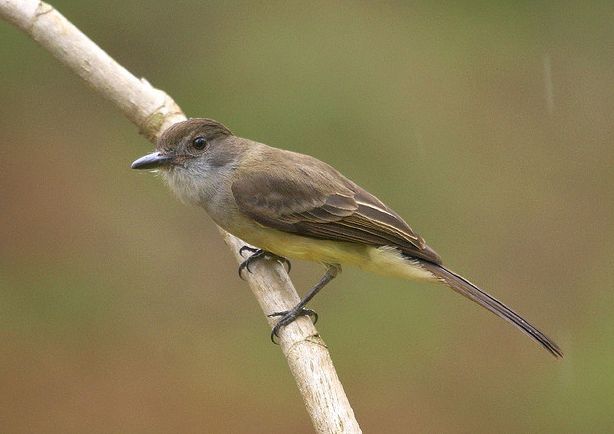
column 314, row 200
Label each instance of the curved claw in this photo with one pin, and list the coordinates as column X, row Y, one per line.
column 248, row 249
column 242, row 267
column 274, row 335
column 257, row 254
column 288, row 316
column 285, row 262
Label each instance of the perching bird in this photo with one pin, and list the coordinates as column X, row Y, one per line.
column 292, row 205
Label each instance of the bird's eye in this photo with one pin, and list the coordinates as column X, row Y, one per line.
column 199, row 143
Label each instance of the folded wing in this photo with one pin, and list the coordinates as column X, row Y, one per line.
column 317, row 201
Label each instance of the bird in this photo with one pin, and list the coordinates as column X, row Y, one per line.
column 294, row 206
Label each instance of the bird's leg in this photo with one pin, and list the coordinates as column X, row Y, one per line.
column 258, row 254
column 287, row 316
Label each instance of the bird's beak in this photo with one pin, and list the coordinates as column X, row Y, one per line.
column 152, row 161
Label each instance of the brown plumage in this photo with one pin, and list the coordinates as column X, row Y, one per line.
column 314, row 200
column 285, row 201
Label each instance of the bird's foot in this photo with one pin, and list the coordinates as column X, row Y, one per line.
column 288, row 316
column 257, row 254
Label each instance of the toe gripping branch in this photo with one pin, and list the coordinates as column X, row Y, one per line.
column 257, row 254
column 288, row 316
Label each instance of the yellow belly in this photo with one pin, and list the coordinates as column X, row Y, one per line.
column 385, row 260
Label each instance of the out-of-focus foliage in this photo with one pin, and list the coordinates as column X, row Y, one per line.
column 488, row 125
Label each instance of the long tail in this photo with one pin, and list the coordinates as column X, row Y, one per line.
column 472, row 292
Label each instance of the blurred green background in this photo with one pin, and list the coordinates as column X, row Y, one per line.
column 487, row 125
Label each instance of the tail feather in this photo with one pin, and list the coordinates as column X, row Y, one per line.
column 472, row 292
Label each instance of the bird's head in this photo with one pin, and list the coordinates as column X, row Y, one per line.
column 194, row 156
column 187, row 143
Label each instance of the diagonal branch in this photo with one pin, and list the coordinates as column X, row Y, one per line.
column 152, row 111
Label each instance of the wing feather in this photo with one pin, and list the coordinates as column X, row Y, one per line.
column 314, row 200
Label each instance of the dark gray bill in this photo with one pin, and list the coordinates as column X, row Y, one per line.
column 151, row 161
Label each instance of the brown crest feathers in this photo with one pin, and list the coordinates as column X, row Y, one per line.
column 191, row 128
